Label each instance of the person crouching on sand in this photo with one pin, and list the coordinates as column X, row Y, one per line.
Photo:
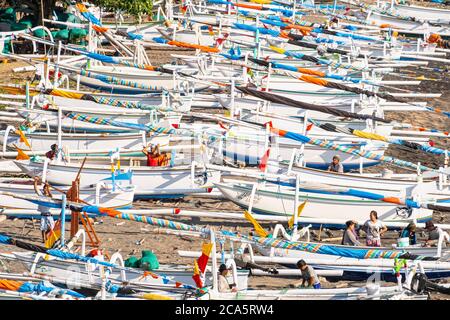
column 309, row 275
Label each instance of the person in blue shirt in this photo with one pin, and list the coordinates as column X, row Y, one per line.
column 410, row 232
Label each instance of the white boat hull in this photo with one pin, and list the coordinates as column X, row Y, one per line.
column 106, row 197
column 278, row 200
column 251, row 150
column 154, row 181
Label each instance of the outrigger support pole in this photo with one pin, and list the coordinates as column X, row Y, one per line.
column 63, row 219
column 74, row 195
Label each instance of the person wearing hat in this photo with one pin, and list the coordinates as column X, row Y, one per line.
column 309, row 275
column 224, row 286
column 410, row 232
column 335, row 165
column 433, row 234
column 350, row 237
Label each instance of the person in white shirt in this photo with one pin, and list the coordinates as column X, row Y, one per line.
column 224, row 286
column 374, row 229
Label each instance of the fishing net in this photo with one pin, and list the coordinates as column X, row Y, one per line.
column 73, row 19
column 39, row 33
column 8, row 15
column 77, row 33
column 132, row 262
column 28, row 21
column 149, row 261
column 19, row 26
column 61, row 34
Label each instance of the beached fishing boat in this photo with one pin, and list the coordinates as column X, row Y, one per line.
column 150, row 182
column 276, row 199
column 250, row 150
column 132, row 142
column 81, row 141
column 408, row 184
column 436, row 15
column 50, row 118
column 357, row 106
column 369, row 292
column 355, row 269
column 406, row 25
column 145, row 81
column 70, row 270
column 103, row 194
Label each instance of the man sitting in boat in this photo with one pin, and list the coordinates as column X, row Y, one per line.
column 433, row 235
column 309, row 276
column 53, row 152
column 155, row 158
column 374, row 229
column 47, row 222
column 350, row 237
column 336, row 165
column 224, row 286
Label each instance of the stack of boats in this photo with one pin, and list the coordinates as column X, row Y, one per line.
column 272, row 91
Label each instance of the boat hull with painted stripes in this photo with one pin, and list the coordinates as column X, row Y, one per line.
column 408, row 187
column 280, row 200
column 380, row 269
column 250, row 150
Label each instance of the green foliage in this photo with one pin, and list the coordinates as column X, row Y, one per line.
column 133, row 7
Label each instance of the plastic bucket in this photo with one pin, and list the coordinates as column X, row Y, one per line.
column 403, row 242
